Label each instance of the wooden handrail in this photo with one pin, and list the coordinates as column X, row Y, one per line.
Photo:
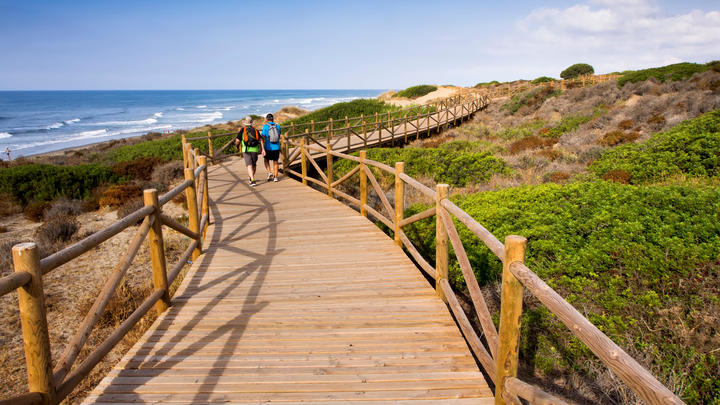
column 13, row 281
column 532, row 393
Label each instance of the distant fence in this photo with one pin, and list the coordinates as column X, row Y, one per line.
column 499, row 358
column 48, row 385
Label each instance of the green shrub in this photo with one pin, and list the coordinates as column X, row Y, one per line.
column 348, row 109
column 674, row 72
column 416, row 91
column 487, row 84
column 533, row 98
column 163, row 149
column 47, row 182
column 576, row 70
column 567, row 124
column 628, row 256
column 457, row 163
column 543, row 79
column 691, row 148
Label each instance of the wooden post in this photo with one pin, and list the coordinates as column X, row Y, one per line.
column 183, row 144
column 205, row 206
column 347, row 132
column 379, row 129
column 286, row 159
column 312, row 126
column 292, row 129
column 363, row 183
column 157, row 250
column 399, row 200
column 391, row 129
column 36, row 338
column 303, row 161
column 329, row 135
column 417, row 124
column 329, row 158
column 193, row 220
column 506, row 360
column 405, row 123
column 210, row 147
column 362, row 118
column 441, row 240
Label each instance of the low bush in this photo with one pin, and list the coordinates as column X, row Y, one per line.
column 576, row 70
column 35, row 210
column 63, row 207
column 168, row 173
column 8, row 205
column 543, row 79
column 453, row 163
column 618, row 176
column 117, row 195
column 557, row 177
column 617, row 137
column 348, row 109
column 691, row 148
column 567, row 124
column 129, row 207
column 47, row 182
column 626, row 124
column 674, row 72
column 531, row 98
column 140, row 168
column 55, row 233
column 656, row 120
column 550, row 154
column 531, row 142
column 628, row 256
column 416, row 91
column 487, row 84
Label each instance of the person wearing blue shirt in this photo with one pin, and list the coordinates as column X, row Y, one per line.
column 271, row 133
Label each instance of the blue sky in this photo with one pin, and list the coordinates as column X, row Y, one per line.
column 339, row 44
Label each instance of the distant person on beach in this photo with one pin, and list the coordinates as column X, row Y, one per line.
column 271, row 134
column 7, row 152
column 252, row 144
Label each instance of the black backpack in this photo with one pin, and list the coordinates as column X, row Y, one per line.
column 250, row 141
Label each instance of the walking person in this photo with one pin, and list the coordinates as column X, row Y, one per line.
column 252, row 145
column 7, row 152
column 271, row 133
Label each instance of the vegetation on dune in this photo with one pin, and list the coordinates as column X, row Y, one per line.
column 636, row 259
column 531, row 98
column 674, row 72
column 458, row 163
column 46, row 182
column 576, row 70
column 487, row 84
column 348, row 109
column 416, row 91
column 543, row 79
column 691, row 148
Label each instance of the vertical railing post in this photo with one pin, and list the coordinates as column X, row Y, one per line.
column 157, row 250
column 192, row 206
column 303, row 161
column 329, row 158
column 378, row 126
column 36, row 338
column 441, row 241
column 196, row 153
column 399, row 200
column 363, row 183
column 405, row 132
column 364, row 129
column 205, row 205
column 506, row 360
column 347, row 132
column 285, row 154
column 183, row 144
column 329, row 134
column 210, row 147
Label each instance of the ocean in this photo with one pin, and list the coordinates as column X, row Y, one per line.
column 33, row 122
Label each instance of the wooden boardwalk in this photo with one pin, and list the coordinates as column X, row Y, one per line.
column 297, row 299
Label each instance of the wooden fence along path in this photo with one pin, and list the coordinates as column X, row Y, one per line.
column 295, row 298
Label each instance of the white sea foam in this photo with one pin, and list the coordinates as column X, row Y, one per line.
column 88, row 134
column 158, row 115
column 276, row 101
column 202, row 118
column 138, row 122
column 72, row 121
column 4, row 135
column 55, row 125
column 180, row 109
column 201, row 106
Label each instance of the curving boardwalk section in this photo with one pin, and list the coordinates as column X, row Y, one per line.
column 298, row 299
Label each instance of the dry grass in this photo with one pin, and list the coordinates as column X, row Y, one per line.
column 618, row 137
column 168, row 173
column 115, row 196
column 530, row 142
column 35, row 210
column 9, row 205
column 618, row 176
column 625, row 124
column 140, row 168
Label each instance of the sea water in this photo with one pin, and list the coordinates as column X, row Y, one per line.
column 33, row 122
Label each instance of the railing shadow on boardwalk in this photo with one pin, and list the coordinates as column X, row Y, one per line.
column 234, row 278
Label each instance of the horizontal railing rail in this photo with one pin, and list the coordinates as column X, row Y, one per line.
column 498, row 355
column 48, row 385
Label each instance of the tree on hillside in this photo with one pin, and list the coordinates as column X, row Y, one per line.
column 576, row 70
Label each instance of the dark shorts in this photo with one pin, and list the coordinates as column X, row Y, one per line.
column 272, row 155
column 250, row 158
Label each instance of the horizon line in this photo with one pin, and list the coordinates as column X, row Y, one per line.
column 9, row 90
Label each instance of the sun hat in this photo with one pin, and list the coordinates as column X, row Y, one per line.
column 248, row 120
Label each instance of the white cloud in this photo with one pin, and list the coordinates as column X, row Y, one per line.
column 618, row 34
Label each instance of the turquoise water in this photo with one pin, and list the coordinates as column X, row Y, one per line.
column 33, row 122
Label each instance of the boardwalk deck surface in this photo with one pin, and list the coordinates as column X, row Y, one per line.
column 297, row 299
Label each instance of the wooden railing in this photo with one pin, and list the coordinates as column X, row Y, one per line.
column 499, row 354
column 48, row 385
column 511, row 89
column 353, row 133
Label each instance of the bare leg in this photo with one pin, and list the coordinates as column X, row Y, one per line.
column 251, row 171
column 276, row 166
column 267, row 165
